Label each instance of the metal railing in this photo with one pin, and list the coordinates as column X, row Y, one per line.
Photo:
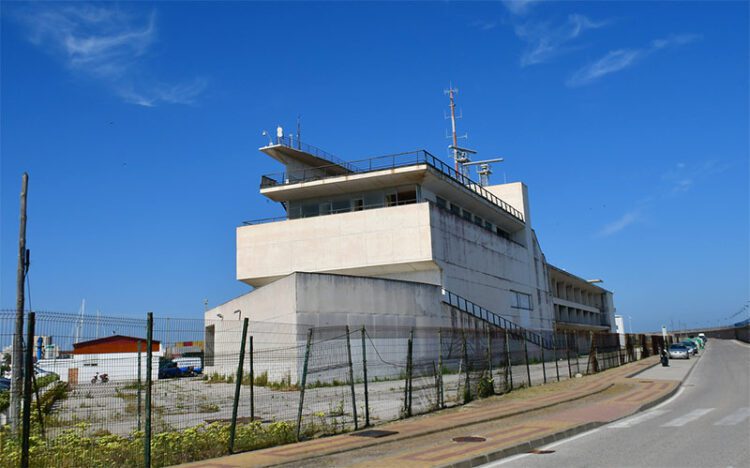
column 488, row 316
column 349, row 209
column 392, row 161
column 315, row 151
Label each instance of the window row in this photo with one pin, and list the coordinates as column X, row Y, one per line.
column 469, row 216
column 352, row 202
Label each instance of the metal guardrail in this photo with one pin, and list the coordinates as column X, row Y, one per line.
column 481, row 313
column 393, row 161
column 315, row 151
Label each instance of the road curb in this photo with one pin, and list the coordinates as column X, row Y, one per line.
column 525, row 446
column 435, row 431
column 548, row 439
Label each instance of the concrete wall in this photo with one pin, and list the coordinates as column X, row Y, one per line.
column 486, row 268
column 369, row 243
column 282, row 312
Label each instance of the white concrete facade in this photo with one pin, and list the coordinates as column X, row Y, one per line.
column 281, row 313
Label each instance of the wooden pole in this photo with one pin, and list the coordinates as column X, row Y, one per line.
column 16, row 377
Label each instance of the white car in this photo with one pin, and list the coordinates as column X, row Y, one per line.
column 679, row 351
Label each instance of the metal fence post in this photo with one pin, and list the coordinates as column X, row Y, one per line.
column 578, row 353
column 508, row 364
column 238, row 386
column 592, row 354
column 489, row 358
column 526, row 358
column 304, row 381
column 554, row 351
column 139, row 402
column 567, row 353
column 252, row 382
column 351, row 378
column 544, row 364
column 467, row 385
column 407, row 383
column 149, row 364
column 364, row 372
column 441, row 394
column 39, row 416
column 29, row 371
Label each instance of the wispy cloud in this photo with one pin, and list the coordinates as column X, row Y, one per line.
column 620, row 59
column 621, row 223
column 519, row 7
column 546, row 41
column 676, row 181
column 109, row 45
column 683, row 177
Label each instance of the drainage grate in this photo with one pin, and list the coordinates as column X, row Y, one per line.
column 374, row 433
column 469, row 439
column 541, row 452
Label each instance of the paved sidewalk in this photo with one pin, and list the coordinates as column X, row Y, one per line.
column 509, row 424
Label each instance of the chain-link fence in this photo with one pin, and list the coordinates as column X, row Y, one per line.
column 141, row 392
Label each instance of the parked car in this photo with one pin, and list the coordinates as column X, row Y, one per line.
column 692, row 346
column 189, row 366
column 679, row 351
column 4, row 384
column 169, row 370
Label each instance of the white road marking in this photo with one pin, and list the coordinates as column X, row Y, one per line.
column 629, row 422
column 690, row 417
column 735, row 418
column 579, row 436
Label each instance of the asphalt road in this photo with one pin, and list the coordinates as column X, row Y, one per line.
column 706, row 424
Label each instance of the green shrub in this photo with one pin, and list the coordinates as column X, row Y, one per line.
column 75, row 448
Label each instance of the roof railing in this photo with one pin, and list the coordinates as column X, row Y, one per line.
column 315, row 151
column 392, row 161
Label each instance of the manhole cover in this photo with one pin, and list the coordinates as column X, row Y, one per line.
column 469, row 439
column 541, row 452
column 374, row 433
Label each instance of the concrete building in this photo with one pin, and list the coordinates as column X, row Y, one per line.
column 394, row 240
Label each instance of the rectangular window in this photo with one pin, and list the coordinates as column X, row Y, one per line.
column 407, row 196
column 310, row 209
column 520, row 300
column 488, row 225
column 441, row 202
column 358, row 204
column 478, row 221
column 468, row 216
column 391, row 199
column 502, row 233
column 341, row 206
column 455, row 209
column 325, row 208
column 374, row 200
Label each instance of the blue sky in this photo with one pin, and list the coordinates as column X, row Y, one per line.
column 139, row 125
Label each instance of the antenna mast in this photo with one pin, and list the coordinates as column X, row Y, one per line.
column 450, row 91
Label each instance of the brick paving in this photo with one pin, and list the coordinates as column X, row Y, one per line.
column 523, row 416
